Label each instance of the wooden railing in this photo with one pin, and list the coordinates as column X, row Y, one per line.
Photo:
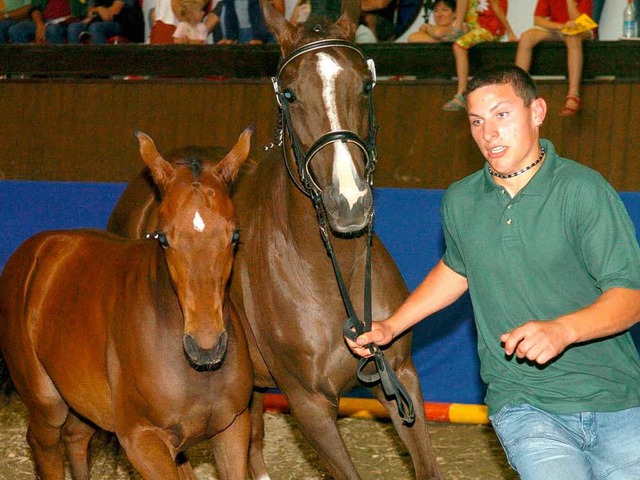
column 620, row 59
column 68, row 114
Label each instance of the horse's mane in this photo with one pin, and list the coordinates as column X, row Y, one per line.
column 195, row 157
column 318, row 28
column 195, row 164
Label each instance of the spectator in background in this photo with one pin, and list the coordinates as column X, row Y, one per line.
column 374, row 28
column 109, row 18
column 12, row 11
column 444, row 13
column 487, row 22
column 164, row 21
column 191, row 29
column 550, row 17
column 165, row 17
column 243, row 22
column 379, row 17
column 300, row 12
column 48, row 21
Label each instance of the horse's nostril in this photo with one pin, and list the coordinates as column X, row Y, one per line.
column 207, row 358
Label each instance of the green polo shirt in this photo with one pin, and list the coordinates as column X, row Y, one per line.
column 552, row 249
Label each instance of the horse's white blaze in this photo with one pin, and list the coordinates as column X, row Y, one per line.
column 344, row 170
column 198, row 222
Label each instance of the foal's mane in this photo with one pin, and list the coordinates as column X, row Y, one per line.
column 195, row 164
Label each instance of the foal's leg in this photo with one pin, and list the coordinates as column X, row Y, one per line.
column 231, row 448
column 415, row 436
column 257, row 465
column 148, row 453
column 317, row 416
column 47, row 413
column 76, row 435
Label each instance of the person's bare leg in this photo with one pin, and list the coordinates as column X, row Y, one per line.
column 528, row 40
column 462, row 67
column 574, row 63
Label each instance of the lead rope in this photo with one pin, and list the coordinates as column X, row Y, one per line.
column 353, row 327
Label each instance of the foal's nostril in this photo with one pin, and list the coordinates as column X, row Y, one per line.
column 207, row 358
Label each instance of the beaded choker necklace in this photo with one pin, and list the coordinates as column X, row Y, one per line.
column 519, row 172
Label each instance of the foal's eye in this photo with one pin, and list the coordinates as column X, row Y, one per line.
column 289, row 96
column 160, row 236
column 236, row 237
column 367, row 87
column 162, row 240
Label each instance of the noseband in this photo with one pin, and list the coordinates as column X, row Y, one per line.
column 306, row 182
column 353, row 327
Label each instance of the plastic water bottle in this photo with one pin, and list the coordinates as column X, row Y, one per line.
column 630, row 21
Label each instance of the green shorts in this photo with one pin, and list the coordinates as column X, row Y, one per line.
column 475, row 36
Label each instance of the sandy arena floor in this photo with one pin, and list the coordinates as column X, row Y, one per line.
column 465, row 452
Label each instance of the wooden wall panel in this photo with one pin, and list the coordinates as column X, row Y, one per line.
column 82, row 130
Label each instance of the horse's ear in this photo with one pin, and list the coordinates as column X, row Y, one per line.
column 349, row 17
column 161, row 170
column 279, row 25
column 228, row 168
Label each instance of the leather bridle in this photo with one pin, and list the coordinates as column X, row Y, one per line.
column 305, row 182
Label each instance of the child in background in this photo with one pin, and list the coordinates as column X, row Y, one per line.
column 487, row 22
column 191, row 29
column 444, row 13
column 550, row 17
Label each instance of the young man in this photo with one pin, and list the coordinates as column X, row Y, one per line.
column 550, row 258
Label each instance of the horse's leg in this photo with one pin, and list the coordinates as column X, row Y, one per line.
column 317, row 417
column 47, row 411
column 415, row 436
column 148, row 454
column 185, row 470
column 257, row 464
column 231, row 448
column 76, row 435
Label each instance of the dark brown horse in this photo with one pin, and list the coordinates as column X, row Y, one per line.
column 283, row 283
column 136, row 337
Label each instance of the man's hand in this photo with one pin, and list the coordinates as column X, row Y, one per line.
column 380, row 334
column 537, row 341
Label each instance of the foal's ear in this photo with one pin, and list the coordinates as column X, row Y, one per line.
column 229, row 166
column 161, row 170
column 279, row 25
column 349, row 17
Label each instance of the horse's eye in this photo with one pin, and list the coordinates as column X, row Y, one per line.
column 236, row 237
column 162, row 240
column 160, row 236
column 368, row 87
column 289, row 96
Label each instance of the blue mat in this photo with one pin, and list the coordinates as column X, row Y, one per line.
column 407, row 221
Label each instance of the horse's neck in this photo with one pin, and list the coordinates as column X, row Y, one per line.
column 305, row 231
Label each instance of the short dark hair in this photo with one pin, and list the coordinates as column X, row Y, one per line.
column 520, row 80
column 449, row 3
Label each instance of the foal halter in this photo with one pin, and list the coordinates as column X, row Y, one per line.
column 353, row 327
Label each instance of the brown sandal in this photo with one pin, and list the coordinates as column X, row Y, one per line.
column 571, row 106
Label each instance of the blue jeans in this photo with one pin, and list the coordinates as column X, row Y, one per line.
column 579, row 446
column 4, row 30
column 100, row 31
column 25, row 32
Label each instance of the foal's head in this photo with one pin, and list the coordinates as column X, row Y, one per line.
column 198, row 230
column 324, row 86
